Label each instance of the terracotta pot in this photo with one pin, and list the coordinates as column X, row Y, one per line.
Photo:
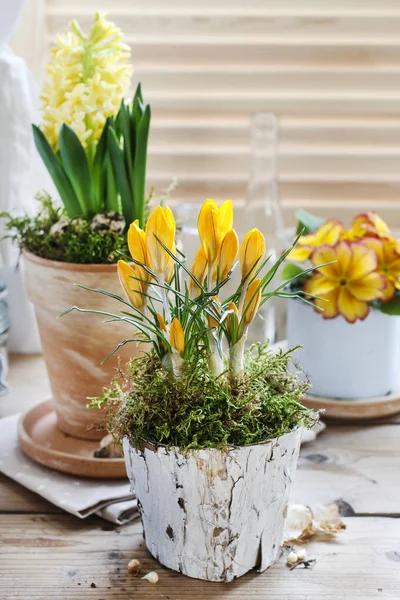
column 213, row 514
column 75, row 345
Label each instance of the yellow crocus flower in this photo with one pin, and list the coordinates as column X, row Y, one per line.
column 251, row 301
column 213, row 224
column 161, row 226
column 227, row 255
column 251, row 252
column 177, row 337
column 161, row 323
column 132, row 287
column 199, row 269
column 138, row 249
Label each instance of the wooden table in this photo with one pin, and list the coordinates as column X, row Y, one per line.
column 46, row 553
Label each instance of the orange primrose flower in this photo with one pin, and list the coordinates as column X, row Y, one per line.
column 367, row 224
column 328, row 234
column 388, row 256
column 347, row 285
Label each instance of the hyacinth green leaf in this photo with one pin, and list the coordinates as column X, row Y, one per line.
column 58, row 174
column 139, row 183
column 77, row 168
column 126, row 136
column 121, row 178
column 100, row 171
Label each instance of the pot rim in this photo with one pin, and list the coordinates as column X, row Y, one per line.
column 67, row 266
column 147, row 444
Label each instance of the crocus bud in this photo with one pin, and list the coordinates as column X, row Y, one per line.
column 228, row 254
column 251, row 301
column 232, row 319
column 138, row 249
column 199, row 269
column 161, row 323
column 251, row 252
column 208, row 225
column 132, row 287
column 161, row 226
column 177, row 337
column 215, row 307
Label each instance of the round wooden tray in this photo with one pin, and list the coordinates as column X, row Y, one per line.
column 41, row 440
column 362, row 409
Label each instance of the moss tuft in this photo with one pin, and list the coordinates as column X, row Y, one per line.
column 199, row 410
column 77, row 244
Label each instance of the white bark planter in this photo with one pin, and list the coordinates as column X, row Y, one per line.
column 346, row 360
column 210, row 514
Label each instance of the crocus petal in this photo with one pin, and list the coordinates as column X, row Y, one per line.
column 232, row 318
column 138, row 248
column 351, row 308
column 160, row 226
column 228, row 254
column 251, row 301
column 226, row 217
column 328, row 304
column 319, row 285
column 161, row 323
column 363, row 261
column 132, row 287
column 199, row 269
column 209, row 229
column 177, row 337
column 367, row 288
column 251, row 252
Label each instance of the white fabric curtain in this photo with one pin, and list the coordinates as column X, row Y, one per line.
column 21, row 172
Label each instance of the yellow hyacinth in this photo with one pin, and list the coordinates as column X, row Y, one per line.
column 227, row 255
column 251, row 252
column 177, row 337
column 132, row 287
column 213, row 224
column 251, row 301
column 88, row 77
column 161, row 227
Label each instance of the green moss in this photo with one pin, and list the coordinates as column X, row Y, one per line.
column 201, row 411
column 78, row 244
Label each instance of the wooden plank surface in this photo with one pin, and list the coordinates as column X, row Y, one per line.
column 45, row 557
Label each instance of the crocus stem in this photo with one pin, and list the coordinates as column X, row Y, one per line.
column 215, row 361
column 236, row 359
column 165, row 300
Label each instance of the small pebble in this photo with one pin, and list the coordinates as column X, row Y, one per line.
column 291, row 558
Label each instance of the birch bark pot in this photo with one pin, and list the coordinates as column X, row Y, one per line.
column 211, row 514
column 346, row 360
column 75, row 345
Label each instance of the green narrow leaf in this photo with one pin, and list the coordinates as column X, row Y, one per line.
column 121, row 178
column 99, row 170
column 127, row 141
column 139, row 182
column 111, row 200
column 57, row 173
column 77, row 168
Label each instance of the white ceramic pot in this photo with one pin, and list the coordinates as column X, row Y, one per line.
column 346, row 360
column 210, row 514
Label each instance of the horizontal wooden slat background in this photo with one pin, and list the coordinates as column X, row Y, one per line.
column 329, row 70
